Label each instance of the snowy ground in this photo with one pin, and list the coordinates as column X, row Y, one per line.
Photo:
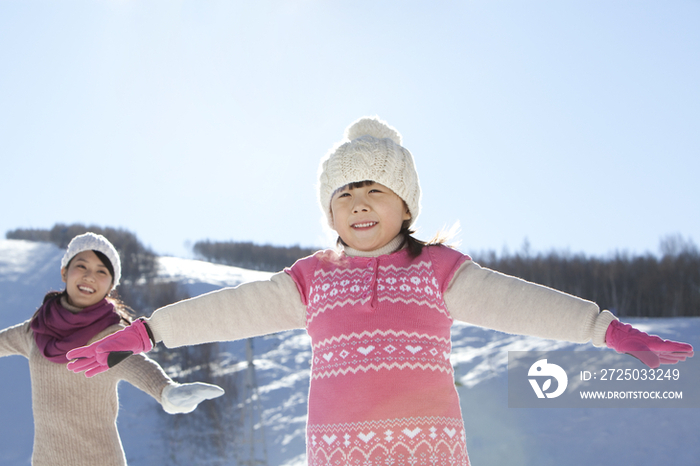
column 496, row 434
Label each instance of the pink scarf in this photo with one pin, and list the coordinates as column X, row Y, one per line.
column 57, row 330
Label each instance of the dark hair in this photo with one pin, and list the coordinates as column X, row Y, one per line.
column 410, row 242
column 105, row 261
column 121, row 309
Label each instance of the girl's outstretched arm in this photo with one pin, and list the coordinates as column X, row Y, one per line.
column 490, row 299
column 248, row 310
column 501, row 302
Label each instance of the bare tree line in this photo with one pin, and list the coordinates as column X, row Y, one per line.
column 249, row 255
column 662, row 285
column 667, row 285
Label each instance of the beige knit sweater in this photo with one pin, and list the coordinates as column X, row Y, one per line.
column 476, row 295
column 75, row 418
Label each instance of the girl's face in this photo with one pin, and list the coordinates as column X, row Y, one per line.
column 368, row 217
column 87, row 280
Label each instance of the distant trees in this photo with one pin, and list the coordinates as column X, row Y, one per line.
column 251, row 256
column 643, row 286
column 664, row 285
column 137, row 260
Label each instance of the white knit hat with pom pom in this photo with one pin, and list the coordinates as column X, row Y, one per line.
column 371, row 150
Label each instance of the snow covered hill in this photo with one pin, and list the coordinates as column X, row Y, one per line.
column 496, row 434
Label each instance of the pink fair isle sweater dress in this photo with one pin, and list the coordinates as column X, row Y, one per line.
column 382, row 390
column 382, row 387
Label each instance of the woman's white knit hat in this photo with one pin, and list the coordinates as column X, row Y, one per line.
column 371, row 150
column 94, row 242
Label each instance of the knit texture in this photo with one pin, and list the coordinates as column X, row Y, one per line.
column 370, row 151
column 75, row 417
column 58, row 330
column 382, row 386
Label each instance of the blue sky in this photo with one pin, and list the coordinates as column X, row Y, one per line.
column 571, row 124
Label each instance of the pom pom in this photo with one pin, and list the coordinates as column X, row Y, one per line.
column 374, row 127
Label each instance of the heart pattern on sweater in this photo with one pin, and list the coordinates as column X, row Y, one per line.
column 366, row 350
column 411, row 433
column 330, row 439
column 414, row 349
column 366, row 437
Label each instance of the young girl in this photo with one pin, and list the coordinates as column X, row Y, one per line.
column 379, row 312
column 75, row 417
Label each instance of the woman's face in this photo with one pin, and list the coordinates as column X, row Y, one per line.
column 87, row 280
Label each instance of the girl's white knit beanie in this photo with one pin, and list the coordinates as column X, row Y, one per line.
column 94, row 242
column 371, row 150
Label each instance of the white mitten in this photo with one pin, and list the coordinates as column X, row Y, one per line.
column 184, row 398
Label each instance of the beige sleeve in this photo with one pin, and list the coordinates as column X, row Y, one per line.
column 482, row 297
column 143, row 373
column 248, row 310
column 16, row 340
column 138, row 369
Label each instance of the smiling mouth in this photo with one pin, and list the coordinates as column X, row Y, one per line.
column 86, row 289
column 364, row 225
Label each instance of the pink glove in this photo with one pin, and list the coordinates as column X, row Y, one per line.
column 650, row 349
column 112, row 349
